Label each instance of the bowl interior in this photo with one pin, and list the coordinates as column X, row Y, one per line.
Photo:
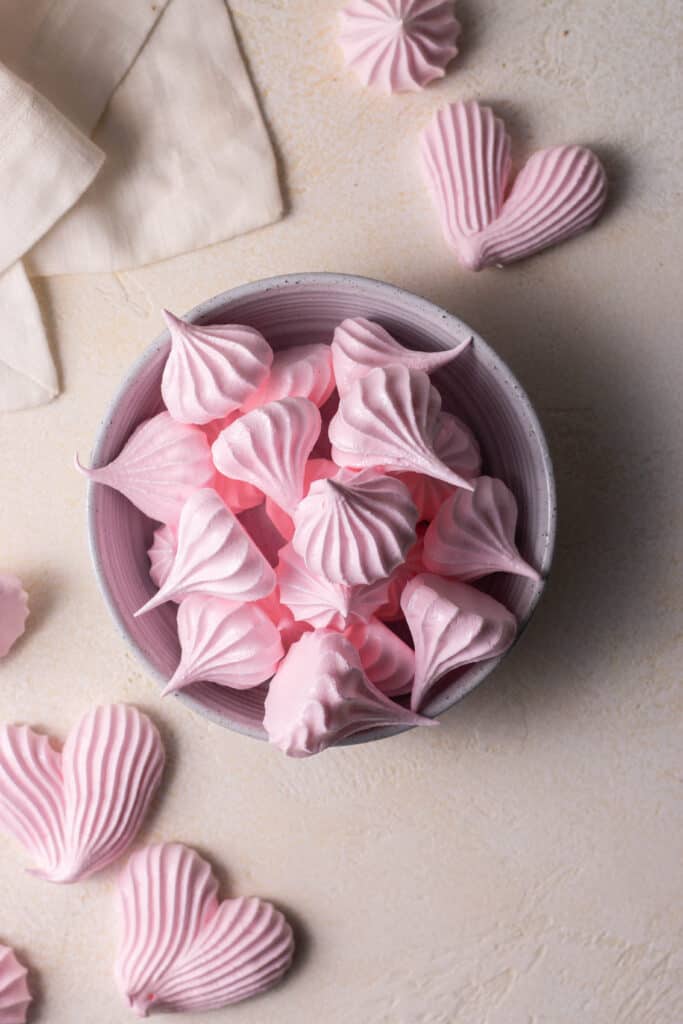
column 477, row 386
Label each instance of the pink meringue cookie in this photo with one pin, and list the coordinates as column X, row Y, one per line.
column 287, row 626
column 212, row 369
column 13, row 611
column 304, row 371
column 389, row 418
column 181, row 949
column 360, row 345
column 456, row 445
column 390, row 610
column 316, row 469
column 355, row 528
column 399, row 45
column 238, row 495
column 452, row 624
column 78, row 810
column 269, row 446
column 388, row 662
column 161, row 554
column 15, row 997
column 427, row 494
column 473, row 534
column 159, row 467
column 319, row 601
column 215, row 557
column 466, row 158
column 321, row 695
column 229, row 644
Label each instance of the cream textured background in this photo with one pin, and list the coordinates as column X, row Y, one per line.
column 522, row 864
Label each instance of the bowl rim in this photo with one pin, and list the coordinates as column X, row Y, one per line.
column 478, row 672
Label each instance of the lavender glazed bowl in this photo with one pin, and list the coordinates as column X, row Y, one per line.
column 295, row 310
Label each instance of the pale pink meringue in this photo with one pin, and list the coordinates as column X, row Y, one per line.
column 238, row 495
column 230, row 644
column 304, row 371
column 321, row 695
column 316, row 469
column 388, row 662
column 269, row 446
column 159, row 467
column 289, row 629
column 428, row 494
column 389, row 418
column 215, row 556
column 181, row 949
column 452, row 624
column 360, row 345
column 399, row 45
column 466, row 158
column 15, row 996
column 355, row 528
column 212, row 369
column 474, row 534
column 456, row 445
column 13, row 611
column 390, row 610
column 161, row 554
column 78, row 810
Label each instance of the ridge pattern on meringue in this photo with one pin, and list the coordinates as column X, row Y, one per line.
column 13, row 611
column 399, row 45
column 303, row 371
column 15, row 996
column 355, row 528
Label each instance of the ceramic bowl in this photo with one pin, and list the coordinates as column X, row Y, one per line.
column 297, row 310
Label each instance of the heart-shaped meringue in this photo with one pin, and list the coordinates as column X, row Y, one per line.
column 269, row 446
column 355, row 528
column 466, row 157
column 388, row 662
column 321, row 695
column 473, row 534
column 316, row 469
column 452, row 624
column 230, row 644
column 398, row 45
column 15, row 997
column 389, row 418
column 390, row 610
column 360, row 345
column 182, row 950
column 215, row 556
column 159, row 467
column 161, row 554
column 78, row 810
column 304, row 371
column 13, row 611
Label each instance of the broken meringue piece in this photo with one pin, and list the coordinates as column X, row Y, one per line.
column 15, row 997
column 473, row 534
column 304, row 371
column 388, row 662
column 161, row 554
column 360, row 345
column 212, row 369
column 321, row 695
column 389, row 419
column 181, row 949
column 316, row 469
column 398, row 45
column 215, row 556
column 451, row 624
column 160, row 465
column 268, row 447
column 225, row 643
column 13, row 611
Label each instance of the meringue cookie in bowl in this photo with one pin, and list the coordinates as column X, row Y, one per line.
column 15, row 996
column 316, row 469
column 161, row 554
column 390, row 610
column 13, row 611
column 304, row 371
column 456, row 445
column 428, row 494
column 388, row 662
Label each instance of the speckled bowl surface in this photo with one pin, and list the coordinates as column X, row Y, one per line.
column 296, row 310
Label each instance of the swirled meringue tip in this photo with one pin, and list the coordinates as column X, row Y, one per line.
column 388, row 662
column 320, row 695
column 360, row 345
column 316, row 469
column 212, row 369
column 215, row 556
column 304, row 371
column 452, row 624
column 181, row 949
column 13, row 611
column 224, row 643
column 77, row 810
column 398, row 45
column 473, row 534
column 158, row 468
column 15, row 996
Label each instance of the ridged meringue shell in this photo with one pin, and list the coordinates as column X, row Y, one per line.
column 183, row 950
column 160, row 465
column 304, row 371
column 399, row 45
column 456, row 445
column 161, row 554
column 225, row 643
column 452, row 624
column 474, row 534
column 320, row 695
column 388, row 662
column 269, row 446
column 15, row 997
column 78, row 810
column 13, row 611
column 428, row 494
column 355, row 528
column 316, row 469
column 389, row 419
column 390, row 610
column 215, row 556
column 360, row 345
